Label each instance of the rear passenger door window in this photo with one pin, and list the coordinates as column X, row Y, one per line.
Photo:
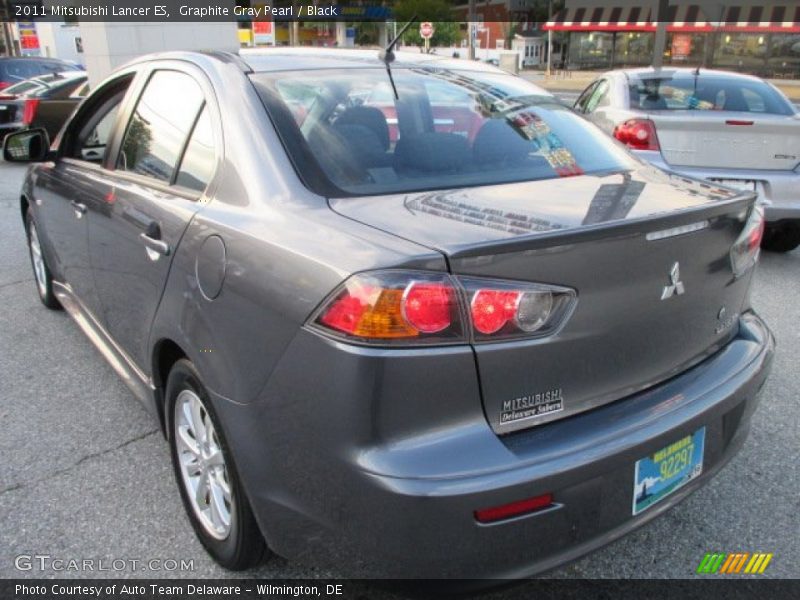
column 160, row 125
column 197, row 164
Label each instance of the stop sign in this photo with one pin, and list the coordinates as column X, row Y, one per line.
column 426, row 30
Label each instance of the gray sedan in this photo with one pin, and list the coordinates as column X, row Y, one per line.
column 730, row 128
column 455, row 338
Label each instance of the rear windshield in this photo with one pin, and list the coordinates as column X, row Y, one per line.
column 45, row 85
column 347, row 132
column 13, row 70
column 704, row 92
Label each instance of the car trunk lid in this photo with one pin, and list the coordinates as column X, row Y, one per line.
column 728, row 140
column 616, row 240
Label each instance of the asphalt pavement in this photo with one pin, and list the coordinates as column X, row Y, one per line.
column 85, row 474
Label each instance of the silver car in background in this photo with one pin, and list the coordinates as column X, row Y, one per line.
column 734, row 129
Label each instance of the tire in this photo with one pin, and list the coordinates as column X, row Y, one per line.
column 41, row 272
column 783, row 238
column 209, row 466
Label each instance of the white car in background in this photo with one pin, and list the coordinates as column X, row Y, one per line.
column 733, row 129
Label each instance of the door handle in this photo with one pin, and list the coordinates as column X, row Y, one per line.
column 80, row 209
column 155, row 248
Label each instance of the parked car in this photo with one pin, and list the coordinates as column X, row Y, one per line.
column 19, row 68
column 730, row 128
column 452, row 357
column 44, row 102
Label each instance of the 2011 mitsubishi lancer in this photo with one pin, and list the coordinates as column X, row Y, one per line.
column 413, row 312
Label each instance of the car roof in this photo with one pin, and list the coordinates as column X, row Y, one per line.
column 262, row 60
column 304, row 58
column 49, row 59
column 680, row 72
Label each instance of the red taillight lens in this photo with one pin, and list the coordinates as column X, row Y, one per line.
column 492, row 309
column 756, row 234
column 29, row 112
column 428, row 307
column 413, row 308
column 746, row 248
column 639, row 134
column 345, row 314
column 513, row 509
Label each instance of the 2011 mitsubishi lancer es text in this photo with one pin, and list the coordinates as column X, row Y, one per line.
column 415, row 313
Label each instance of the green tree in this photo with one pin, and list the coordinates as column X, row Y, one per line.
column 366, row 33
column 446, row 31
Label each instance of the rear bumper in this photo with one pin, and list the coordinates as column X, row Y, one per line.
column 781, row 189
column 344, row 490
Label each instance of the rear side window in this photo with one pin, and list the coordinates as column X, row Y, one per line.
column 702, row 92
column 583, row 99
column 599, row 97
column 160, row 125
column 197, row 165
column 442, row 129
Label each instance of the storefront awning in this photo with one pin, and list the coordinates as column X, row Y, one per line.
column 764, row 18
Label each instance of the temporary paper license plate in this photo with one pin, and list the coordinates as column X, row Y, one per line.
column 667, row 470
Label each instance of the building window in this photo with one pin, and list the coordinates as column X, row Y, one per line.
column 634, row 48
column 590, row 50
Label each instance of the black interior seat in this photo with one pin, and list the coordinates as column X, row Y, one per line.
column 431, row 153
column 497, row 144
column 369, row 117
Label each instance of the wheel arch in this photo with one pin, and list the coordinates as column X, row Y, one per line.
column 24, row 205
column 166, row 352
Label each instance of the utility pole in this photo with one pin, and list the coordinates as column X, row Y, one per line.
column 471, row 29
column 8, row 37
column 661, row 34
column 549, row 36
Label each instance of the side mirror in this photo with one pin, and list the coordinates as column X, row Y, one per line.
column 30, row 145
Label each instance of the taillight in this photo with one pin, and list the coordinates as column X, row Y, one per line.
column 29, row 112
column 746, row 248
column 514, row 309
column 394, row 307
column 639, row 134
column 413, row 308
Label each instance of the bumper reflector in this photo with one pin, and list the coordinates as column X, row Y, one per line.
column 514, row 509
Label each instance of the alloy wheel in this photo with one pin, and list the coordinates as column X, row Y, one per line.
column 202, row 465
column 38, row 261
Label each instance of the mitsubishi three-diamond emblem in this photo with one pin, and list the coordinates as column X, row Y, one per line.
column 675, row 287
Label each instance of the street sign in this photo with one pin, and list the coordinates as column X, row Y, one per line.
column 28, row 38
column 263, row 33
column 426, row 30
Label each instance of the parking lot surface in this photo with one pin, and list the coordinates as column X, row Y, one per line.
column 85, row 473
